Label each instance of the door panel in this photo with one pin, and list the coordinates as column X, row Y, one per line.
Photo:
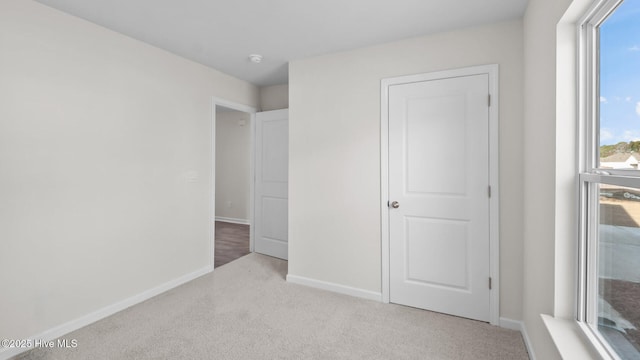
column 439, row 174
column 433, row 245
column 271, row 190
column 430, row 124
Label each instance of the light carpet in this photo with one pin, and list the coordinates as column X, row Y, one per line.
column 246, row 310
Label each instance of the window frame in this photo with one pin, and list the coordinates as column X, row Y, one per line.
column 590, row 176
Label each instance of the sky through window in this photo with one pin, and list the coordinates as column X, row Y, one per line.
column 620, row 75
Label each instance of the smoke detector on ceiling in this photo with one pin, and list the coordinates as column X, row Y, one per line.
column 255, row 58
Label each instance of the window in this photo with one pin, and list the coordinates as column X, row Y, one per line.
column 609, row 274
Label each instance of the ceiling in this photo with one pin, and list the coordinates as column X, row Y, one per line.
column 223, row 33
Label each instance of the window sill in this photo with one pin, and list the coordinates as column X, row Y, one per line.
column 570, row 340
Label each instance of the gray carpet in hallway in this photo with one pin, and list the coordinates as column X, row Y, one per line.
column 246, row 310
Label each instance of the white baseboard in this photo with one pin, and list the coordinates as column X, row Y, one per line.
column 527, row 341
column 83, row 321
column 519, row 326
column 337, row 288
column 233, row 220
column 510, row 324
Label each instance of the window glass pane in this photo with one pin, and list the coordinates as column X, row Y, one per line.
column 619, row 269
column 619, row 88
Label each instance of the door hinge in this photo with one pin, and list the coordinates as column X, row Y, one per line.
column 489, row 100
column 489, row 190
column 489, row 283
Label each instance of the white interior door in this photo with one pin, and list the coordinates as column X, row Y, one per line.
column 271, row 188
column 439, row 176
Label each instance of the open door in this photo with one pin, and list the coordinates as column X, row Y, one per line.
column 272, row 183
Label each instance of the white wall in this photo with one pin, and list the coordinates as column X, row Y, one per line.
column 550, row 227
column 274, row 97
column 233, row 161
column 105, row 156
column 539, row 112
column 334, row 188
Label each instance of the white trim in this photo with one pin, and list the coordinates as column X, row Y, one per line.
column 494, row 174
column 212, row 181
column 212, row 188
column 107, row 311
column 571, row 341
column 252, row 178
column 527, row 341
column 233, row 220
column 590, row 177
column 233, row 105
column 384, row 187
column 510, row 324
column 519, row 326
column 337, row 288
column 494, row 200
column 593, row 341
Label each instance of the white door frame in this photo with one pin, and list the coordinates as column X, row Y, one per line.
column 212, row 181
column 494, row 201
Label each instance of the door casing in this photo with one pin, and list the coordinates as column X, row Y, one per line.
column 494, row 200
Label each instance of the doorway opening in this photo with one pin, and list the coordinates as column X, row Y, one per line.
column 232, row 188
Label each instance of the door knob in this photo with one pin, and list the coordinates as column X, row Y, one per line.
column 395, row 204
